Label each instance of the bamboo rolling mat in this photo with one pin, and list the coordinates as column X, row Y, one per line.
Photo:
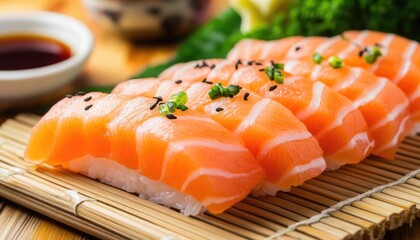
column 357, row 201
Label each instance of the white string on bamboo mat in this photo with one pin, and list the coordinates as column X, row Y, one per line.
column 338, row 206
column 75, row 199
column 10, row 171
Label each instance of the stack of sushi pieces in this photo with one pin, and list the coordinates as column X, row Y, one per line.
column 271, row 116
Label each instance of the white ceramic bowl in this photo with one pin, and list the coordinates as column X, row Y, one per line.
column 149, row 19
column 21, row 84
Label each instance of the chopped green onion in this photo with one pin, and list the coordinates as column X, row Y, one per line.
column 182, row 107
column 215, row 92
column 335, row 62
column 180, row 98
column 233, row 89
column 218, row 91
column 274, row 72
column 164, row 109
column 317, row 58
column 278, row 65
column 372, row 55
column 176, row 101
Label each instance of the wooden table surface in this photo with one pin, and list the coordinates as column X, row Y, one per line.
column 113, row 59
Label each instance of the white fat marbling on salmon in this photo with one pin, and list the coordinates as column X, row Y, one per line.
column 350, row 146
column 337, row 122
column 353, row 44
column 272, row 188
column 211, row 145
column 215, row 172
column 315, row 72
column 391, row 116
column 253, row 115
column 350, row 79
column 409, row 51
column 317, row 92
column 405, row 66
column 397, row 136
column 372, row 93
column 360, row 137
column 282, row 138
column 416, row 94
column 326, row 44
column 212, row 200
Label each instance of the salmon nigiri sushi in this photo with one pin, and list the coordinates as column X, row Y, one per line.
column 288, row 153
column 383, row 105
column 184, row 160
column 337, row 125
column 381, row 61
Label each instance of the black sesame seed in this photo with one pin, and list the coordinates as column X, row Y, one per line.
column 88, row 106
column 219, row 109
column 212, row 66
column 153, row 105
column 80, row 93
column 204, row 64
column 205, row 81
column 170, row 116
column 69, row 96
column 158, row 98
column 272, row 87
column 361, row 52
column 237, row 64
column 246, row 95
column 250, row 63
column 87, row 99
column 197, row 66
column 297, row 48
column 178, row 81
column 258, row 63
column 261, row 70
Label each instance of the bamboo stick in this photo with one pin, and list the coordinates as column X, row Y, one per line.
column 332, row 230
column 354, row 230
column 317, row 233
column 274, row 209
column 300, row 210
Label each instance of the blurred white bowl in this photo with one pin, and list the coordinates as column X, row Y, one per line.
column 149, row 20
column 20, row 84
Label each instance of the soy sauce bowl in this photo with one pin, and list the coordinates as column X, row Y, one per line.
column 27, row 83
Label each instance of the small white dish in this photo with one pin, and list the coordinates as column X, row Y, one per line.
column 21, row 84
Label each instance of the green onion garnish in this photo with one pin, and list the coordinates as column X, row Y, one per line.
column 335, row 62
column 176, row 101
column 317, row 58
column 274, row 72
column 218, row 91
column 180, row 98
column 372, row 55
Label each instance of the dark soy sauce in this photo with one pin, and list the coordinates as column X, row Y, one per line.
column 18, row 52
